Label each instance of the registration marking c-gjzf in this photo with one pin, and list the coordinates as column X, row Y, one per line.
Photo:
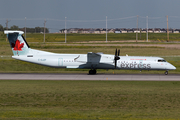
column 41, row 59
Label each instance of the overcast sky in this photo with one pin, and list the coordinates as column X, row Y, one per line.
column 90, row 13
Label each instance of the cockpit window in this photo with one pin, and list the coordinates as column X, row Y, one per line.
column 161, row 60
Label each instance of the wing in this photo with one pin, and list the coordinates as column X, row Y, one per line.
column 93, row 58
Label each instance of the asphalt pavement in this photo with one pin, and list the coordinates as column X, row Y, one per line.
column 116, row 77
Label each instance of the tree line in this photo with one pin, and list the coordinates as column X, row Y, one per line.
column 28, row 30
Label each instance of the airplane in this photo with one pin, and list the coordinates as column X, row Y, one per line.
column 93, row 61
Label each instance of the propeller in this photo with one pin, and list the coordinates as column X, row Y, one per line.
column 116, row 57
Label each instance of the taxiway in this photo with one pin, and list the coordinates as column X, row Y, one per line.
column 116, row 77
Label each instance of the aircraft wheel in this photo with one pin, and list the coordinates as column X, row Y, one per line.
column 166, row 73
column 92, row 72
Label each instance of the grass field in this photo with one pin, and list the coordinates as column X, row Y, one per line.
column 100, row 37
column 89, row 100
column 55, row 37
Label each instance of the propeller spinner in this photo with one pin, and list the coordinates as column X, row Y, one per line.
column 116, row 57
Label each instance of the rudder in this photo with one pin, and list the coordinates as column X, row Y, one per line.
column 17, row 42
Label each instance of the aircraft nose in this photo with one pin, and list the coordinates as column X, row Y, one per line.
column 172, row 67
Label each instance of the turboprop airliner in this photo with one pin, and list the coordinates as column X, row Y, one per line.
column 93, row 61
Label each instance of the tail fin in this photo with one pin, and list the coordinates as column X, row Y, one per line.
column 17, row 42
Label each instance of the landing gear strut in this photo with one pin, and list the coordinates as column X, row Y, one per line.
column 92, row 72
column 166, row 73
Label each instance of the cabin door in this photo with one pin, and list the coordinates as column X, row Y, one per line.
column 60, row 62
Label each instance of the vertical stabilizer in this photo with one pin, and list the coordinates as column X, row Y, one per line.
column 17, row 42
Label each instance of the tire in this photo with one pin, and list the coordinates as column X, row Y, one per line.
column 166, row 73
column 92, row 72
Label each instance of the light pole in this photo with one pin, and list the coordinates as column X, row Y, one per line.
column 137, row 29
column 167, row 30
column 106, row 28
column 25, row 28
column 65, row 29
column 147, row 28
column 44, row 29
column 7, row 21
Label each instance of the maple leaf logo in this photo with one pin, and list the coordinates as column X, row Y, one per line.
column 17, row 46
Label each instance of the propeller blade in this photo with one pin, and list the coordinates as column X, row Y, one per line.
column 116, row 57
column 118, row 52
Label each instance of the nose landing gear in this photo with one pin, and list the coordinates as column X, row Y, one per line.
column 166, row 73
column 92, row 72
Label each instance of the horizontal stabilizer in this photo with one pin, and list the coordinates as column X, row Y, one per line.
column 10, row 31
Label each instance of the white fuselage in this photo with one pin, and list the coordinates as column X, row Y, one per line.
column 103, row 61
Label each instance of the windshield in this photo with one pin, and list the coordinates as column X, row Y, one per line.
column 161, row 60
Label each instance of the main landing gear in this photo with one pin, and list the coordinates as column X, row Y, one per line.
column 92, row 72
column 166, row 73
